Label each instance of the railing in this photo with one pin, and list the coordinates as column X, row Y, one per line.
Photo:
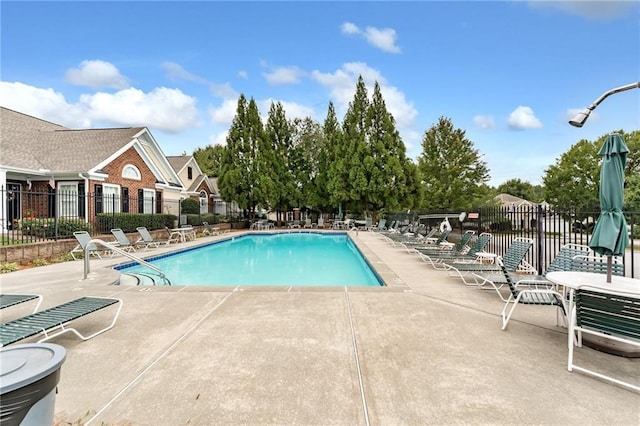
column 111, row 247
column 41, row 213
column 550, row 228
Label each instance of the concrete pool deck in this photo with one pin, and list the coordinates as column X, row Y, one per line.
column 425, row 350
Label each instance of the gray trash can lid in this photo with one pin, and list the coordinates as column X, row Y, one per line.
column 21, row 365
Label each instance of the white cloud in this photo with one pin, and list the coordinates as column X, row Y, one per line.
column 223, row 90
column 42, row 103
column 163, row 108
column 484, row 122
column 284, row 75
column 381, row 38
column 243, row 74
column 291, row 109
column 97, row 74
column 225, row 112
column 219, row 138
column 590, row 9
column 175, row 72
column 523, row 118
column 349, row 28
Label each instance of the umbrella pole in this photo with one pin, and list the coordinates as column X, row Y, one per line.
column 608, row 269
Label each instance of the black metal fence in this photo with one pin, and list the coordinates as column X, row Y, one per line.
column 550, row 229
column 28, row 216
column 31, row 216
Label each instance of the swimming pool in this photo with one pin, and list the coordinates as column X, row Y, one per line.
column 278, row 259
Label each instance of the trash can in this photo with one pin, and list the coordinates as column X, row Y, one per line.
column 29, row 375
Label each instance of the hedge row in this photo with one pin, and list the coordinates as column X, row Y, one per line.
column 128, row 222
column 46, row 228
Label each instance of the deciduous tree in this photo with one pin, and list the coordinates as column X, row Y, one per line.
column 452, row 171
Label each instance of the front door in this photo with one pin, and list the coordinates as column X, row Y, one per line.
column 13, row 203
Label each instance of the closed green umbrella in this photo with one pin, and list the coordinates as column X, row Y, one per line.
column 609, row 236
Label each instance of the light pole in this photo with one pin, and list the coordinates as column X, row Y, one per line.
column 581, row 117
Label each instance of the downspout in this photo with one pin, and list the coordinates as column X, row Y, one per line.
column 86, row 196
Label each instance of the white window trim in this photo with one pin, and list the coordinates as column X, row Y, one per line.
column 148, row 196
column 135, row 169
column 108, row 200
column 69, row 210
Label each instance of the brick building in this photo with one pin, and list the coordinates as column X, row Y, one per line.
column 79, row 173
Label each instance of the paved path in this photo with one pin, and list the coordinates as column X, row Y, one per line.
column 425, row 350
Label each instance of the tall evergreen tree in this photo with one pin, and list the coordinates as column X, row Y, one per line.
column 451, row 169
column 244, row 176
column 388, row 176
column 279, row 136
column 332, row 173
column 348, row 178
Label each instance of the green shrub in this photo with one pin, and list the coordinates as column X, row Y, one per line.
column 8, row 267
column 197, row 219
column 47, row 227
column 39, row 262
column 128, row 222
column 190, row 206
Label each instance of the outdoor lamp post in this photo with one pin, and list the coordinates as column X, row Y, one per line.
column 582, row 116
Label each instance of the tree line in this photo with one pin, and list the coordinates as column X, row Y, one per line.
column 360, row 164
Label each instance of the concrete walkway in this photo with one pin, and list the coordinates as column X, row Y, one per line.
column 425, row 350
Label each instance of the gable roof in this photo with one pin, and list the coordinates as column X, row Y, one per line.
column 178, row 161
column 506, row 199
column 29, row 143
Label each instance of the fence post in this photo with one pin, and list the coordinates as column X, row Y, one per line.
column 540, row 234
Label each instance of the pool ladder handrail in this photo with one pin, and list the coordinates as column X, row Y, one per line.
column 111, row 247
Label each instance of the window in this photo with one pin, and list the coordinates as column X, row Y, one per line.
column 98, row 198
column 131, row 172
column 68, row 199
column 125, row 200
column 158, row 202
column 204, row 207
column 111, row 198
column 149, row 195
column 189, row 173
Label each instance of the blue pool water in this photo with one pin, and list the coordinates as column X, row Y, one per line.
column 289, row 259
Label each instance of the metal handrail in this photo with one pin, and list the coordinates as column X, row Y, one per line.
column 110, row 246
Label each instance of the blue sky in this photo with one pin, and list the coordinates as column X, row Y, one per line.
column 510, row 74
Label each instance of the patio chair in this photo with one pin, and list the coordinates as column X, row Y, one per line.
column 54, row 321
column 460, row 247
column 437, row 258
column 174, row 235
column 84, row 239
column 209, row 230
column 604, row 313
column 513, row 260
column 124, row 243
column 529, row 292
column 307, row 223
column 8, row 300
column 380, row 226
column 444, row 234
column 533, row 287
column 147, row 238
column 597, row 264
column 320, row 222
